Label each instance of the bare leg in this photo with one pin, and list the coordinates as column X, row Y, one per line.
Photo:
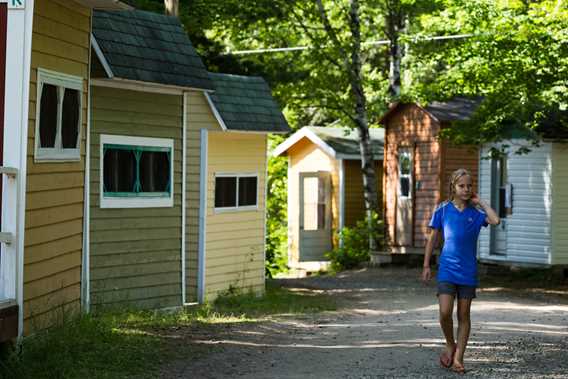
column 447, row 324
column 464, row 327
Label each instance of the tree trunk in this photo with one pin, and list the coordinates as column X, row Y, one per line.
column 395, row 25
column 172, row 7
column 361, row 120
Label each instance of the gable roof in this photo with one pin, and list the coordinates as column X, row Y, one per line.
column 245, row 103
column 147, row 47
column 339, row 143
column 459, row 108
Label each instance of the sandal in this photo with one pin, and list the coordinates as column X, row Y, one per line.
column 458, row 368
column 446, row 361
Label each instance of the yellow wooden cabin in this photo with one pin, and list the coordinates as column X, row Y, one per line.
column 325, row 189
column 47, row 83
column 233, row 125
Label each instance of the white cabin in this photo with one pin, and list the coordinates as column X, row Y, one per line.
column 529, row 193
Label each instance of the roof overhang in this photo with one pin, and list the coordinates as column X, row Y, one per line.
column 316, row 140
column 107, row 5
column 304, row 133
column 224, row 126
column 396, row 105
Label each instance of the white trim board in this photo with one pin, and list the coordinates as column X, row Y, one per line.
column 305, row 132
column 215, row 112
column 18, row 64
column 183, row 199
column 136, row 85
column 101, row 57
column 202, row 216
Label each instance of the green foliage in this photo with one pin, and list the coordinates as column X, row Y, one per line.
column 88, row 346
column 355, row 249
column 276, row 212
column 517, row 59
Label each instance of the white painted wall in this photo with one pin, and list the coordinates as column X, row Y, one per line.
column 528, row 229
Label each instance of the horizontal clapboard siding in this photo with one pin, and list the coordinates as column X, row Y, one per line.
column 354, row 198
column 55, row 190
column 528, row 230
column 135, row 253
column 235, row 240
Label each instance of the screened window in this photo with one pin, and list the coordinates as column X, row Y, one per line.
column 58, row 118
column 136, row 172
column 236, row 191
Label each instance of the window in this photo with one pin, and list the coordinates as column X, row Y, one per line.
column 58, row 116
column 404, row 173
column 234, row 191
column 136, row 172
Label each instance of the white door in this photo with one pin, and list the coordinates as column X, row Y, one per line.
column 498, row 181
column 404, row 197
column 315, row 216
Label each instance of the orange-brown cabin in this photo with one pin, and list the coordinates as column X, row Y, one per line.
column 417, row 167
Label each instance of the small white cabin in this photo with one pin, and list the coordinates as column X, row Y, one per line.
column 528, row 192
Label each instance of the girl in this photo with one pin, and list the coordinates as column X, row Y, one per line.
column 460, row 220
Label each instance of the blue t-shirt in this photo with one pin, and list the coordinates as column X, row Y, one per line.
column 458, row 260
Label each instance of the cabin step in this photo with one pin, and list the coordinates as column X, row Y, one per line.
column 9, row 171
column 6, row 238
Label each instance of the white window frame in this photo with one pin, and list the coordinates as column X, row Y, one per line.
column 135, row 202
column 405, row 151
column 237, row 207
column 62, row 81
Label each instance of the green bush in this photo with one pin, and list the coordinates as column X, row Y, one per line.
column 276, row 212
column 355, row 248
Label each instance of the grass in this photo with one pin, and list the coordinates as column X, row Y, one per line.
column 135, row 343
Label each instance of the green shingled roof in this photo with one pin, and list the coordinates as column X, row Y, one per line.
column 149, row 47
column 245, row 103
column 346, row 141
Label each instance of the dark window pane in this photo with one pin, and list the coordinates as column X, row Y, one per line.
column 154, row 171
column 225, row 192
column 404, row 161
column 119, row 170
column 48, row 116
column 321, row 216
column 70, row 119
column 247, row 191
column 404, row 187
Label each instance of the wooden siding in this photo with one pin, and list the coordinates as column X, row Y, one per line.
column 354, row 199
column 559, row 222
column 412, row 127
column 528, row 229
column 135, row 252
column 455, row 157
column 235, row 239
column 55, row 191
column 304, row 156
column 199, row 116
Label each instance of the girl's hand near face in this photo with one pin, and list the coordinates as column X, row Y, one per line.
column 475, row 200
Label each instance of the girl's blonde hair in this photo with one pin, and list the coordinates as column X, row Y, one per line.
column 456, row 175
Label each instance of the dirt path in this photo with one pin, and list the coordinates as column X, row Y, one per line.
column 386, row 327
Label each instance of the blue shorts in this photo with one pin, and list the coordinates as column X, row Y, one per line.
column 459, row 290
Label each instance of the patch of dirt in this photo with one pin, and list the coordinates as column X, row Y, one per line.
column 386, row 326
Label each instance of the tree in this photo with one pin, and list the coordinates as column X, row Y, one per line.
column 517, row 60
